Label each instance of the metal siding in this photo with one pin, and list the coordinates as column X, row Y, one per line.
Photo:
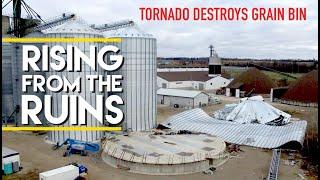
column 61, row 136
column 16, row 77
column 139, row 78
column 7, row 93
column 256, row 135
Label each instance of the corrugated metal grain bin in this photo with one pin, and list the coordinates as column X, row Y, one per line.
column 7, row 93
column 77, row 29
column 17, row 74
column 139, row 50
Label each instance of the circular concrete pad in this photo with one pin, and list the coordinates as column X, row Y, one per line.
column 147, row 153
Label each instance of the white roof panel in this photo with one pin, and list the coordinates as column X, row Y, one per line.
column 8, row 152
column 178, row 92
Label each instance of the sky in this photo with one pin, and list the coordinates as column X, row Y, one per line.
column 262, row 40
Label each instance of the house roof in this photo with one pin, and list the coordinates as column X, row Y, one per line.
column 236, row 85
column 186, row 76
column 178, row 92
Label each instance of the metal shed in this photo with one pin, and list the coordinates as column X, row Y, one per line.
column 10, row 160
column 182, row 98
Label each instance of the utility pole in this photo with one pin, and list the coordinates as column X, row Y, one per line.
column 17, row 17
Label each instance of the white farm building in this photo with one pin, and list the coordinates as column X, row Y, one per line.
column 191, row 79
column 209, row 79
column 182, row 98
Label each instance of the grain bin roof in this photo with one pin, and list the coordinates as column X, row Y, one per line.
column 74, row 26
column 253, row 79
column 305, row 89
column 178, row 93
column 129, row 31
column 145, row 147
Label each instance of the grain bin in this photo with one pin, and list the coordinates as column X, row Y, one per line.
column 214, row 63
column 75, row 28
column 139, row 50
column 17, row 76
column 7, row 93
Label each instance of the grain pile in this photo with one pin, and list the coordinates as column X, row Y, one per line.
column 253, row 79
column 305, row 89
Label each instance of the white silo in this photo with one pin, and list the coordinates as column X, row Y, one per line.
column 75, row 28
column 139, row 50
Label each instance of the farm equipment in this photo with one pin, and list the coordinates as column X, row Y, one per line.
column 78, row 147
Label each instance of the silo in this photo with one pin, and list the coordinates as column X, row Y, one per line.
column 214, row 63
column 74, row 28
column 17, row 76
column 139, row 50
column 7, row 92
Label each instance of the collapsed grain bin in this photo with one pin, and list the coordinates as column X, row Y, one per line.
column 252, row 81
column 139, row 50
column 75, row 28
column 305, row 89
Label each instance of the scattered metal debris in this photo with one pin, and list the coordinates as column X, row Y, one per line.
column 301, row 176
column 290, row 162
column 210, row 171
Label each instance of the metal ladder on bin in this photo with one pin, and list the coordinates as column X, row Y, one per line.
column 274, row 165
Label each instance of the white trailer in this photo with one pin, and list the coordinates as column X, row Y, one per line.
column 69, row 172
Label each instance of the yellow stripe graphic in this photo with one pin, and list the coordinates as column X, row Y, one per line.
column 53, row 40
column 60, row 128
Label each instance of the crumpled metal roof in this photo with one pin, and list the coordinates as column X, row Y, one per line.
column 252, row 110
column 256, row 135
column 178, row 92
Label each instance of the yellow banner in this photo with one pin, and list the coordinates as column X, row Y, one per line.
column 55, row 40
